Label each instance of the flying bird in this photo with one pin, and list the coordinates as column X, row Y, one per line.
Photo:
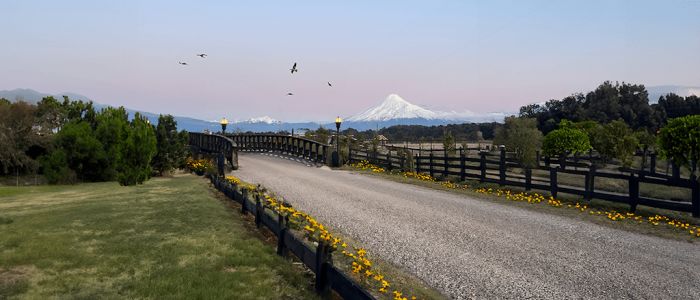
column 289, row 94
column 294, row 68
column 203, row 55
column 329, row 84
column 182, row 63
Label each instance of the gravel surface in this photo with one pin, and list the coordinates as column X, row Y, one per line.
column 471, row 248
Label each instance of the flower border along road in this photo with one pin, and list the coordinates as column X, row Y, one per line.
column 361, row 266
column 536, row 198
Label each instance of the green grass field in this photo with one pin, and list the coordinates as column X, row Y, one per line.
column 169, row 238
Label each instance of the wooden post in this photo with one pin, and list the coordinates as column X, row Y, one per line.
column 282, row 221
column 322, row 264
column 676, row 170
column 388, row 161
column 502, row 166
column 403, row 161
column 445, row 164
column 244, row 201
column 431, row 164
column 258, row 211
column 634, row 192
column 695, row 184
column 553, row 182
column 482, row 166
column 652, row 163
column 590, row 182
column 462, row 167
column 418, row 159
column 528, row 178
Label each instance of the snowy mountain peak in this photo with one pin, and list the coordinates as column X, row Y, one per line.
column 263, row 119
column 394, row 107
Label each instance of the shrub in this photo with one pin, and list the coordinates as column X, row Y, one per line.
column 680, row 141
column 565, row 141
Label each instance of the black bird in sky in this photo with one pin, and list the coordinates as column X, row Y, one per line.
column 289, row 94
column 329, row 84
column 294, row 68
column 203, row 55
column 182, row 63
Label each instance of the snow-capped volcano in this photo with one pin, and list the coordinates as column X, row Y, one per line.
column 394, row 107
column 395, row 110
column 263, row 119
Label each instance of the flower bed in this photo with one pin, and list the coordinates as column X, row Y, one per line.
column 359, row 263
column 199, row 166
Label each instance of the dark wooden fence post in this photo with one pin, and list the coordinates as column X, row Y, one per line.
column 282, row 221
column 418, row 159
column 502, row 166
column 652, row 163
column 322, row 265
column 403, row 161
column 695, row 186
column 349, row 154
column 553, row 181
column 528, row 178
column 462, row 166
column 482, row 166
column 258, row 211
column 431, row 164
column 445, row 164
column 634, row 192
column 389, row 164
column 676, row 170
column 590, row 183
column 244, row 202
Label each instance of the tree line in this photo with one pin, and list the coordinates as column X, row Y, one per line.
column 610, row 102
column 70, row 141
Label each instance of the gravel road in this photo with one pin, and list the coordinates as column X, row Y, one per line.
column 471, row 248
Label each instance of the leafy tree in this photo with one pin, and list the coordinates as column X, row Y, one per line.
column 50, row 115
column 565, row 141
column 680, row 141
column 85, row 154
column 111, row 131
column 17, row 136
column 614, row 140
column 646, row 140
column 521, row 136
column 55, row 168
column 139, row 147
column 448, row 142
column 170, row 145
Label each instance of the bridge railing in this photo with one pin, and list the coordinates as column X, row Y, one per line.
column 291, row 145
column 214, row 144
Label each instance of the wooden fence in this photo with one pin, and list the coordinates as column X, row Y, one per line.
column 286, row 144
column 503, row 170
column 318, row 260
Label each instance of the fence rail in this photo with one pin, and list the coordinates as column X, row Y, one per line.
column 318, row 260
column 286, row 144
column 501, row 169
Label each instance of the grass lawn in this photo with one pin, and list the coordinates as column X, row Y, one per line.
column 168, row 238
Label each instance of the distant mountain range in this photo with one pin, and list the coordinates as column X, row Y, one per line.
column 393, row 110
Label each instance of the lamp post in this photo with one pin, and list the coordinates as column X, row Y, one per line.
column 336, row 156
column 223, row 123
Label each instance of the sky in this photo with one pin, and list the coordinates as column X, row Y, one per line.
column 481, row 56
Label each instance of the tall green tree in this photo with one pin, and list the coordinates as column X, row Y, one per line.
column 17, row 136
column 521, row 136
column 614, row 140
column 170, row 145
column 448, row 142
column 680, row 141
column 112, row 129
column 85, row 154
column 139, row 147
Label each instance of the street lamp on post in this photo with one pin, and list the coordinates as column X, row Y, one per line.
column 336, row 156
column 223, row 123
